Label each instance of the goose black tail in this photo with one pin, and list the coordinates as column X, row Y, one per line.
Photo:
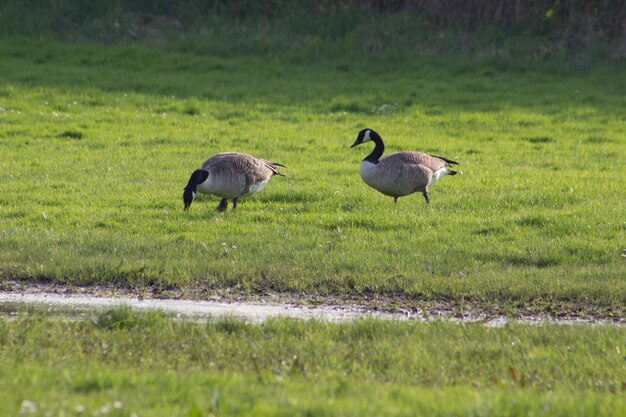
column 449, row 161
column 276, row 169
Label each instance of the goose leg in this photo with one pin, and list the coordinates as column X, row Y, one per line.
column 427, row 197
column 222, row 205
column 235, row 202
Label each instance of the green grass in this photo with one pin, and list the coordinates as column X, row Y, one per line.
column 97, row 143
column 150, row 366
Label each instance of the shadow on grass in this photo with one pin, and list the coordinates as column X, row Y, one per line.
column 358, row 82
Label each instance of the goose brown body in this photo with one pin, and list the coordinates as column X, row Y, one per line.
column 230, row 175
column 402, row 173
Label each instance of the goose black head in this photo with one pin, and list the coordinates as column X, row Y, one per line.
column 365, row 135
column 189, row 194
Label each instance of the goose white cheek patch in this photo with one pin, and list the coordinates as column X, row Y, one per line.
column 366, row 137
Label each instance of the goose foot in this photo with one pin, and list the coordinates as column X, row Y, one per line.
column 235, row 202
column 395, row 200
column 222, row 205
column 427, row 197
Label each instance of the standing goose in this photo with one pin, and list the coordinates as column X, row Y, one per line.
column 402, row 173
column 230, row 175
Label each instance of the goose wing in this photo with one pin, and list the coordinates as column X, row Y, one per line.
column 434, row 163
column 236, row 163
column 273, row 166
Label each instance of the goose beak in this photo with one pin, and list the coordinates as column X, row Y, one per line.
column 356, row 142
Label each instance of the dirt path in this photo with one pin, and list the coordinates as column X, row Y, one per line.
column 78, row 303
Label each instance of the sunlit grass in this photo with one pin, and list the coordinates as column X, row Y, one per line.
column 123, row 363
column 97, row 143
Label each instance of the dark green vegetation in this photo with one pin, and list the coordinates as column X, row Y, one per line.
column 122, row 363
column 98, row 141
column 571, row 19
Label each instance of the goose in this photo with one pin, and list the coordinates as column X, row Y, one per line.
column 230, row 175
column 402, row 173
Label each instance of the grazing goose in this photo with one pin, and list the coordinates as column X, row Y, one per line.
column 402, row 173
column 230, row 175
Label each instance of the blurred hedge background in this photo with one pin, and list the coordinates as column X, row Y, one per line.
column 570, row 25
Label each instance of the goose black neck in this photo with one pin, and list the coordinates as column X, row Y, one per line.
column 378, row 150
column 198, row 177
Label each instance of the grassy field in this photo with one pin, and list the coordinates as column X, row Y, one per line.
column 125, row 364
column 98, row 140
column 97, row 143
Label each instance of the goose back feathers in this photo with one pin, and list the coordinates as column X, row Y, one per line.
column 402, row 173
column 230, row 175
